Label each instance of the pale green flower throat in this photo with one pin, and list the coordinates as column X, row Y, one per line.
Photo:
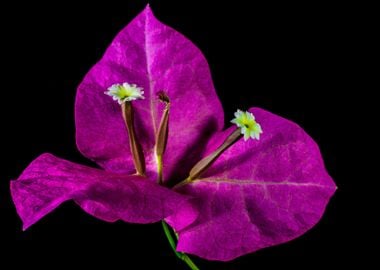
column 125, row 92
column 247, row 124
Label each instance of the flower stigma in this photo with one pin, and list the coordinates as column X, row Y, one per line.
column 247, row 124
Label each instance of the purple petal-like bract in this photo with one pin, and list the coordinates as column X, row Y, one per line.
column 155, row 57
column 48, row 181
column 258, row 193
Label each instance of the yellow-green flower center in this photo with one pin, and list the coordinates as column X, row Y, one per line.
column 125, row 92
column 248, row 125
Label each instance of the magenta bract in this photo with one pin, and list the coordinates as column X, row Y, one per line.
column 48, row 181
column 257, row 194
column 155, row 57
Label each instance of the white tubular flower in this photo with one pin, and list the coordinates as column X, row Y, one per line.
column 247, row 124
column 125, row 92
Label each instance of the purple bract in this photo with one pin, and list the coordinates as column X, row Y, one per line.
column 257, row 194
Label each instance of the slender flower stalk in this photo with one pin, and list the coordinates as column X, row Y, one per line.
column 206, row 162
column 162, row 136
column 247, row 128
column 137, row 153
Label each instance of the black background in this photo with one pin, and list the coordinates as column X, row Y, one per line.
column 291, row 60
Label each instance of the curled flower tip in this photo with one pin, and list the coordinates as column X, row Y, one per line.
column 163, row 130
column 162, row 96
column 247, row 124
column 125, row 92
column 162, row 134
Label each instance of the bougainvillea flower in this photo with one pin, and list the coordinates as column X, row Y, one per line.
column 249, row 193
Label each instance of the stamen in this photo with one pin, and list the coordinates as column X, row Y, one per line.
column 137, row 153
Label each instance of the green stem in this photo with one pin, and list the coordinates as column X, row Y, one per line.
column 172, row 243
column 189, row 262
column 170, row 238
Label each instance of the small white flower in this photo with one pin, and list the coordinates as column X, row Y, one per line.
column 125, row 92
column 247, row 124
